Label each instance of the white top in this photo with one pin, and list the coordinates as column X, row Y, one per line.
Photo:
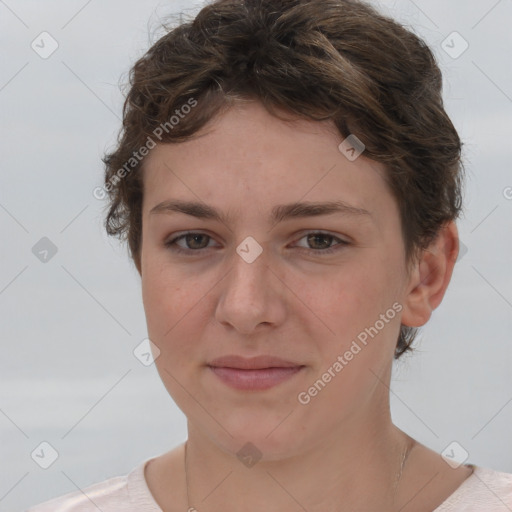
column 486, row 490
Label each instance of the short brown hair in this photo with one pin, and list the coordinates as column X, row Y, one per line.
column 338, row 60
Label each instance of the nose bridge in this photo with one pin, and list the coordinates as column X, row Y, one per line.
column 250, row 269
column 248, row 297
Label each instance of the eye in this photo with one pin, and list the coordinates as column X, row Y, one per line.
column 324, row 240
column 195, row 242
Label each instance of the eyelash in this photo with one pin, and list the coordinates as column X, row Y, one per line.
column 171, row 244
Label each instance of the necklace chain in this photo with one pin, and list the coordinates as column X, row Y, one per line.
column 399, row 475
column 186, row 477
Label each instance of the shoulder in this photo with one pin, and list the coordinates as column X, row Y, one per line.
column 96, row 496
column 485, row 490
column 119, row 494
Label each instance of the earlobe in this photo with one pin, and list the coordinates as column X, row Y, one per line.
column 430, row 277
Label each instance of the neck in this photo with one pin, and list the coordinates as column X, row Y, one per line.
column 357, row 469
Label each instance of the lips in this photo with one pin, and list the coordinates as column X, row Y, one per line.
column 253, row 374
column 253, row 363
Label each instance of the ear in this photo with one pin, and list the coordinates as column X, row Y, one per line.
column 430, row 277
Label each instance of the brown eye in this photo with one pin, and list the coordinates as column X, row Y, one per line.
column 321, row 243
column 317, row 239
column 194, row 242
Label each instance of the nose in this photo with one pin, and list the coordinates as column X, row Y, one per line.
column 251, row 294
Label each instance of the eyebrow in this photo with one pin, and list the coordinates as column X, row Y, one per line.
column 279, row 213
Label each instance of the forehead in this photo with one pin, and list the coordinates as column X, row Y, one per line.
column 246, row 158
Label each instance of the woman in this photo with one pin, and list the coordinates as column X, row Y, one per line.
column 288, row 182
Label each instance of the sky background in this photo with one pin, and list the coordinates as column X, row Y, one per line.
column 69, row 325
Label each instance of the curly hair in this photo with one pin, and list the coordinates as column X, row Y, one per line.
column 338, row 60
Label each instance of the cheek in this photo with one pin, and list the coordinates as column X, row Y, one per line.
column 351, row 295
column 363, row 343
column 175, row 308
column 163, row 285
column 351, row 305
column 165, row 300
column 172, row 306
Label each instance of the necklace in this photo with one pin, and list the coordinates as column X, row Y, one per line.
column 407, row 450
column 189, row 508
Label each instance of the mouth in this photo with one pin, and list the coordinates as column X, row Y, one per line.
column 255, row 374
column 252, row 363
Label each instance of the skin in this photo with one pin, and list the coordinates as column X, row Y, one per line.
column 289, row 303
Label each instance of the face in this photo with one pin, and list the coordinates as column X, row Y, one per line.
column 321, row 289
